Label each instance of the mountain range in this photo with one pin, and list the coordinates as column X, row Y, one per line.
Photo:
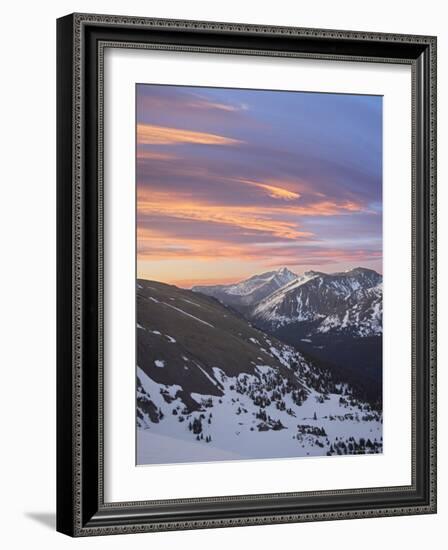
column 335, row 318
column 248, row 293
column 212, row 386
column 349, row 302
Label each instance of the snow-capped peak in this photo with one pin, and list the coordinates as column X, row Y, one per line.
column 285, row 272
column 268, row 281
column 350, row 301
column 250, row 291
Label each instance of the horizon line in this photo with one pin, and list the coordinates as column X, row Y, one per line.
column 231, row 281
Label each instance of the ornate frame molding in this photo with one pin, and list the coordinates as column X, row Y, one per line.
column 83, row 512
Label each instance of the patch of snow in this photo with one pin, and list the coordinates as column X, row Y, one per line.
column 232, row 424
column 212, row 380
column 190, row 302
column 188, row 315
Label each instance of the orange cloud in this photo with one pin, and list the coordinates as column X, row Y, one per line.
column 325, row 208
column 154, row 155
column 187, row 102
column 151, row 134
column 273, row 190
column 153, row 245
column 244, row 217
column 271, row 223
column 259, row 218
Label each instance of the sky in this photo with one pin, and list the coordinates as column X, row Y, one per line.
column 233, row 182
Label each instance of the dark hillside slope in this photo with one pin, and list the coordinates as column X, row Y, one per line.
column 183, row 336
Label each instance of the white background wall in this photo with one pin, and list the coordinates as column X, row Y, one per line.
column 27, row 299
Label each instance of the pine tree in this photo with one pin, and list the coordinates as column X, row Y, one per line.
column 197, row 426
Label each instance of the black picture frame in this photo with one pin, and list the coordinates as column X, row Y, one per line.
column 81, row 510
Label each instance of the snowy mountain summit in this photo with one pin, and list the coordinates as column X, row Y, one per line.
column 347, row 302
column 250, row 291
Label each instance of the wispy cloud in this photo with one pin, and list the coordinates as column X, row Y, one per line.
column 145, row 154
column 154, row 245
column 273, row 191
column 185, row 206
column 242, row 217
column 203, row 103
column 151, row 134
column 182, row 99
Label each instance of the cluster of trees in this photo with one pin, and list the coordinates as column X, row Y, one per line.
column 167, row 396
column 270, row 425
column 272, row 387
column 146, row 407
column 354, row 446
column 374, row 415
column 369, row 417
column 261, row 400
column 311, row 430
column 322, row 398
column 298, row 396
column 267, row 423
column 316, row 377
column 351, row 401
column 345, row 380
column 196, row 426
column 207, row 438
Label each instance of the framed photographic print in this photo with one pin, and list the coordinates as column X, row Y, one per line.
column 246, row 274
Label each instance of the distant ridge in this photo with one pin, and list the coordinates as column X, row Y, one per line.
column 248, row 292
column 349, row 302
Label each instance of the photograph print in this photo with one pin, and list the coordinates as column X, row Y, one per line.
column 259, row 274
